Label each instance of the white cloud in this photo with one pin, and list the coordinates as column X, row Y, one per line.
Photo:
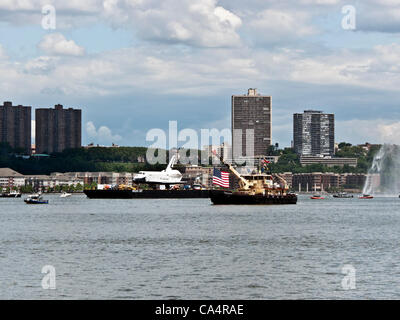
column 193, row 22
column 200, row 23
column 273, row 25
column 103, row 135
column 390, row 133
column 181, row 72
column 57, row 44
column 376, row 131
column 41, row 65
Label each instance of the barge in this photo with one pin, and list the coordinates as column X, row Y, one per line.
column 146, row 194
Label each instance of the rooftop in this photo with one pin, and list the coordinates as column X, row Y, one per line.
column 7, row 172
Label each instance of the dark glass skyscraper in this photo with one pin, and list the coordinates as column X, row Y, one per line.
column 314, row 133
column 251, row 111
column 15, row 126
column 58, row 129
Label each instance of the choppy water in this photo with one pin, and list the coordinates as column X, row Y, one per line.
column 189, row 249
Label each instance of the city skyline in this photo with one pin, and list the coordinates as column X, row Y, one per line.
column 135, row 76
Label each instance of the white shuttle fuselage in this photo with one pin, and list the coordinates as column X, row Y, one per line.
column 167, row 176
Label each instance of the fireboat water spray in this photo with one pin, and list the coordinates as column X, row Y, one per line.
column 384, row 175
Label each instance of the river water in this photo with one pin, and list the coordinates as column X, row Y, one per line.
column 190, row 249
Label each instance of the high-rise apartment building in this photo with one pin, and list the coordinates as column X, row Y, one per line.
column 314, row 133
column 58, row 129
column 251, row 113
column 15, row 126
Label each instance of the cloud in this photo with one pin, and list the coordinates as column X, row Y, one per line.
column 193, row 22
column 379, row 16
column 57, row 44
column 103, row 135
column 376, row 131
column 40, row 65
column 192, row 55
column 201, row 23
column 390, row 133
column 273, row 25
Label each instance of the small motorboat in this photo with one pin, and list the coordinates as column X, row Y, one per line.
column 11, row 194
column 65, row 195
column 317, row 197
column 35, row 199
column 365, row 196
column 343, row 195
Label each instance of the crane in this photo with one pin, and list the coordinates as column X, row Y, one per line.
column 243, row 183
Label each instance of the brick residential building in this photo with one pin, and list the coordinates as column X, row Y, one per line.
column 251, row 111
column 15, row 126
column 58, row 129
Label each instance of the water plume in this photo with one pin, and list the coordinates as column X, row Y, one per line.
column 384, row 175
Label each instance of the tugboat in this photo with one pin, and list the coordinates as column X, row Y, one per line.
column 35, row 199
column 365, row 196
column 254, row 189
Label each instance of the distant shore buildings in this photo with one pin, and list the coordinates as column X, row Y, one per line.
column 56, row 129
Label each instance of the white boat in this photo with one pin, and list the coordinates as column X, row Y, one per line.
column 65, row 195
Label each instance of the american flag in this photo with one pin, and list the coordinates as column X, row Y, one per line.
column 221, row 178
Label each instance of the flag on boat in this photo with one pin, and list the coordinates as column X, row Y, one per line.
column 221, row 178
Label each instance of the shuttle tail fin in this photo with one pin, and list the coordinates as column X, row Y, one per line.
column 171, row 163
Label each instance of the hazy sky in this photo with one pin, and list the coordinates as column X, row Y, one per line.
column 133, row 65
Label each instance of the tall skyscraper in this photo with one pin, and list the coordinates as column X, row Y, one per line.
column 314, row 133
column 251, row 111
column 58, row 129
column 15, row 126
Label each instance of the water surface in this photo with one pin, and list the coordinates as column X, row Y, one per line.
column 190, row 249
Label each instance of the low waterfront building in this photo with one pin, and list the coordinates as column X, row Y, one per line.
column 328, row 161
column 353, row 180
column 45, row 182
column 111, row 178
column 316, row 181
column 10, row 178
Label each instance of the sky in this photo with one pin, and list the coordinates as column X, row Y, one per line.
column 135, row 65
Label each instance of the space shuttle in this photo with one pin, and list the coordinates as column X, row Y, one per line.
column 167, row 176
